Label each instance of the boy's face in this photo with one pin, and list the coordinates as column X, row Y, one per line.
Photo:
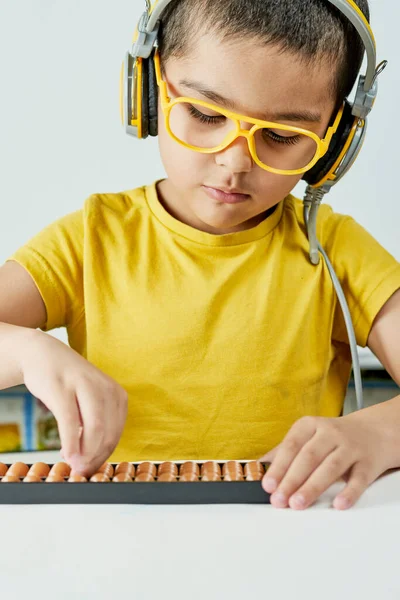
column 260, row 82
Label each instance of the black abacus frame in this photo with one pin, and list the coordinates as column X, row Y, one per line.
column 152, row 492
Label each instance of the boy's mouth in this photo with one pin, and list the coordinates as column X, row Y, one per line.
column 226, row 196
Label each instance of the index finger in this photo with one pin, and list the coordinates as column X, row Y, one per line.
column 102, row 427
column 67, row 415
column 298, row 436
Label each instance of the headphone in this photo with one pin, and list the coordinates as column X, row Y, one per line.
column 139, row 93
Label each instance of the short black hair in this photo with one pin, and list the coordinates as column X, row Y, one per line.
column 314, row 29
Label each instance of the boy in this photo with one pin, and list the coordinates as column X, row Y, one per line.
column 198, row 326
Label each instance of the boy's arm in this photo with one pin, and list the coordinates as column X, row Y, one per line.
column 89, row 406
column 384, row 341
column 21, row 311
column 384, row 338
column 20, row 300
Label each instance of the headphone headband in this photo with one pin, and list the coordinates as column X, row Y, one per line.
column 367, row 86
column 350, row 9
column 155, row 13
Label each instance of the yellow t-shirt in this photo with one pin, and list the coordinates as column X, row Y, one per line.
column 222, row 341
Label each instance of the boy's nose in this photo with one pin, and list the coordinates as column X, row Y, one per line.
column 236, row 157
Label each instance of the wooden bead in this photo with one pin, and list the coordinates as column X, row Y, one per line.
column 210, row 467
column 254, row 477
column 168, row 467
column 32, row 479
column 189, row 477
column 19, row 469
column 100, row 478
column 146, row 467
column 144, row 477
column 230, row 476
column 10, row 479
column 61, row 469
column 233, row 468
column 189, row 467
column 107, row 469
column 125, row 467
column 54, row 478
column 168, row 477
column 254, row 467
column 39, row 469
column 211, row 476
column 77, row 479
column 122, row 478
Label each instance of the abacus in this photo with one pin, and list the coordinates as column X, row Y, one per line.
column 183, row 482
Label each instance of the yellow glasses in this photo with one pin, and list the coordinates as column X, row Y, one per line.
column 207, row 128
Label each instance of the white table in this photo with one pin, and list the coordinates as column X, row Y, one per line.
column 202, row 552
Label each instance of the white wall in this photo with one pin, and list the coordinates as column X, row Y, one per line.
column 60, row 133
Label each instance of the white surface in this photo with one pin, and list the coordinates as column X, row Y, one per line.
column 203, row 552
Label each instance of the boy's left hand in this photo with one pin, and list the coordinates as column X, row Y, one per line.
column 318, row 451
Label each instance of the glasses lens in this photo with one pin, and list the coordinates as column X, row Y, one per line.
column 285, row 150
column 208, row 129
column 199, row 126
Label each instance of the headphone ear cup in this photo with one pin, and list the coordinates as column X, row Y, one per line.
column 339, row 140
column 145, row 98
column 152, row 97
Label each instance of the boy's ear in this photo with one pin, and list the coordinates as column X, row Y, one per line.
column 340, row 140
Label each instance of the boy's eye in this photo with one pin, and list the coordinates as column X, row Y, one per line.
column 203, row 118
column 269, row 135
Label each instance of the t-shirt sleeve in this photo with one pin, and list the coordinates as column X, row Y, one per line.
column 369, row 274
column 54, row 259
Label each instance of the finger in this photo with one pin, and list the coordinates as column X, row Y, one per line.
column 67, row 417
column 115, row 417
column 92, row 448
column 313, row 453
column 297, row 437
column 103, row 421
column 269, row 457
column 123, row 409
column 321, row 479
column 360, row 478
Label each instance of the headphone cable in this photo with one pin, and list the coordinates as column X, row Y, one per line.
column 312, row 201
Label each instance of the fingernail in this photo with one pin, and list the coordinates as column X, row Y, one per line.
column 342, row 503
column 270, row 485
column 279, row 500
column 298, row 501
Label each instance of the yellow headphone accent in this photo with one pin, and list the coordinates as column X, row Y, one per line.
column 358, row 10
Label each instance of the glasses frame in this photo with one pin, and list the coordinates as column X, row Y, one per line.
column 167, row 105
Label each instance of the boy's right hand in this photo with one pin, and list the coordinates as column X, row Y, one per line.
column 89, row 406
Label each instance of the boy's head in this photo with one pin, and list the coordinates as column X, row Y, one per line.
column 287, row 61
